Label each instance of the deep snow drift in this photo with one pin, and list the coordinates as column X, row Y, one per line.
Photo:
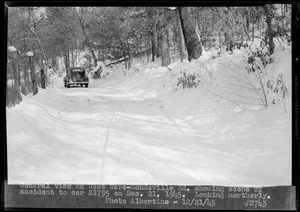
column 142, row 129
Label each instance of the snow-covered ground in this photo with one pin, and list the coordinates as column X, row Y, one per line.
column 142, row 129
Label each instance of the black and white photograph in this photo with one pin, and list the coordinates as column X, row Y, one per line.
column 149, row 95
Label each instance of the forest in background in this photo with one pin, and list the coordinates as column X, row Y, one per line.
column 40, row 37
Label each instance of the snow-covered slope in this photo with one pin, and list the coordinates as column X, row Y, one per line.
column 143, row 129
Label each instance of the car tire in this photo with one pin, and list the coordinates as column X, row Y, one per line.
column 68, row 86
column 86, row 85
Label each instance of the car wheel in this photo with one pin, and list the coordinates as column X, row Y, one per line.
column 86, row 85
column 68, row 86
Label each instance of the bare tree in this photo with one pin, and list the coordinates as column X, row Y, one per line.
column 34, row 87
column 191, row 38
column 152, row 17
column 269, row 32
column 13, row 89
column 163, row 39
column 183, row 53
column 80, row 17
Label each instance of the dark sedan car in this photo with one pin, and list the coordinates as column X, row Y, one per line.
column 76, row 76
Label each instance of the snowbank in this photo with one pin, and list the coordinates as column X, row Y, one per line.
column 140, row 128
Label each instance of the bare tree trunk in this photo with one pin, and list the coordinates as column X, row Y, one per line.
column 286, row 8
column 191, row 38
column 247, row 33
column 152, row 17
column 153, row 43
column 87, row 41
column 43, row 74
column 54, row 64
column 33, row 79
column 269, row 31
column 75, row 58
column 183, row 53
column 59, row 65
column 16, row 76
column 163, row 38
column 78, row 56
column 26, row 78
column 158, row 48
column 247, row 22
column 19, row 68
column 253, row 31
column 27, row 87
column 43, row 78
column 148, row 47
column 128, row 55
column 94, row 57
column 34, row 34
column 283, row 15
column 66, row 57
column 72, row 56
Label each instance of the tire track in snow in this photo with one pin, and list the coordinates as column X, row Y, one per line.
column 105, row 147
column 166, row 115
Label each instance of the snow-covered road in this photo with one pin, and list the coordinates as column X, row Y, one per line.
column 106, row 135
column 136, row 131
column 117, row 139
